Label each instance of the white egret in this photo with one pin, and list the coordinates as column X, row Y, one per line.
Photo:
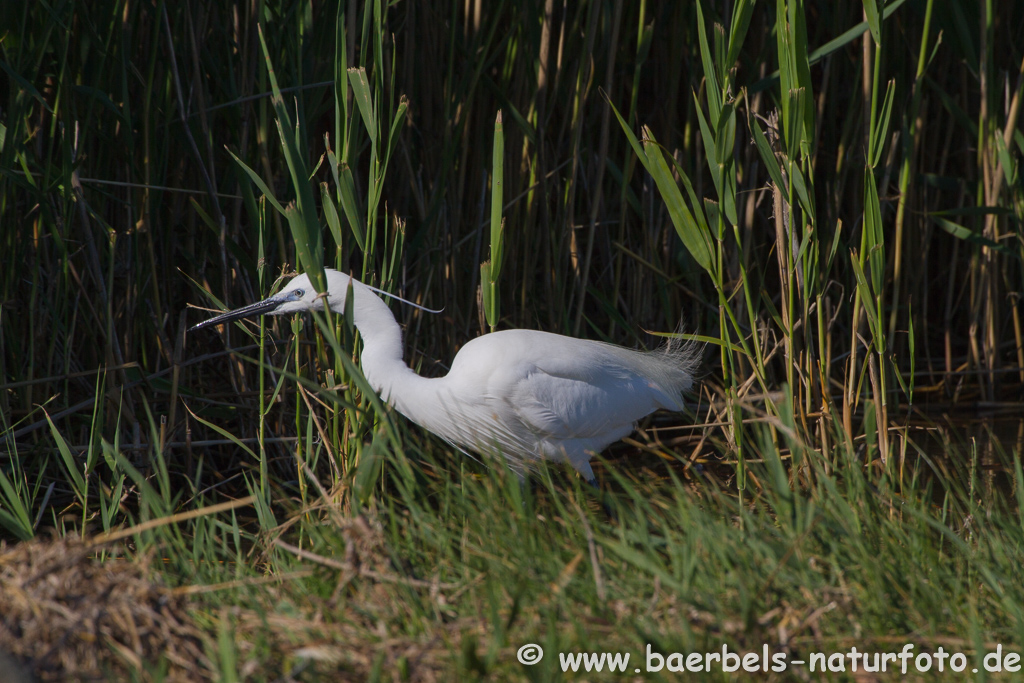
column 522, row 394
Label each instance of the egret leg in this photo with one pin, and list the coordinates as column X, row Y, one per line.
column 602, row 496
column 586, row 471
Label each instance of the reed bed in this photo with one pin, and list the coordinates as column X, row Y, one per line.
column 827, row 196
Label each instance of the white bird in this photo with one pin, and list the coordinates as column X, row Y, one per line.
column 521, row 394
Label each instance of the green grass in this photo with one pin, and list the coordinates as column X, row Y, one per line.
column 827, row 194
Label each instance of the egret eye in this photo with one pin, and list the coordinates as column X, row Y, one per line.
column 299, row 293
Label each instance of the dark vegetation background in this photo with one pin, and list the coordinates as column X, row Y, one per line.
column 118, row 187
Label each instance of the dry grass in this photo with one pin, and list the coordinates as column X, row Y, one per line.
column 68, row 615
column 71, row 615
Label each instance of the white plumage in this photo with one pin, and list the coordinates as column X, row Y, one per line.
column 520, row 394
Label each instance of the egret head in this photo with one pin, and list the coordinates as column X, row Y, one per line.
column 298, row 296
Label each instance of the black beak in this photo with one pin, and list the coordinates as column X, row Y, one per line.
column 250, row 311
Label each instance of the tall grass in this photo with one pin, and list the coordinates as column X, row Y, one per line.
column 828, row 195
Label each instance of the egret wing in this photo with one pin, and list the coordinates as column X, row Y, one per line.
column 570, row 402
column 536, row 393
